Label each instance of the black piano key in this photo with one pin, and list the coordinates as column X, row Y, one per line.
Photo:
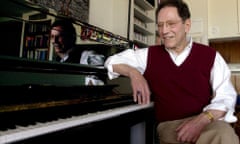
column 88, row 104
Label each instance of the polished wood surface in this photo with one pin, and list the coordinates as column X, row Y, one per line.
column 228, row 48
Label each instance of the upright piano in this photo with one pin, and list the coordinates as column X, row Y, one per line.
column 34, row 111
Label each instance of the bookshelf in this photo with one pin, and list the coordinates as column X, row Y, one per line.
column 36, row 36
column 143, row 23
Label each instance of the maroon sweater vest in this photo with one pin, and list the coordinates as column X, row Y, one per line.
column 179, row 91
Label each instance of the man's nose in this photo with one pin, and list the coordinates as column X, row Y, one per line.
column 55, row 39
column 165, row 28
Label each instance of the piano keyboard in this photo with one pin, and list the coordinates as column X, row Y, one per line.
column 21, row 132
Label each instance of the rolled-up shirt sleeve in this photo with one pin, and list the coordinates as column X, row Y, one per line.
column 224, row 94
column 134, row 58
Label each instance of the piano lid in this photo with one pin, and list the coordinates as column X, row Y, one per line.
column 29, row 65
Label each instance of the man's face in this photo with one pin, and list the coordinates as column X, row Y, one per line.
column 57, row 39
column 172, row 29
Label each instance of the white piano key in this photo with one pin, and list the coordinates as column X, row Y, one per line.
column 21, row 133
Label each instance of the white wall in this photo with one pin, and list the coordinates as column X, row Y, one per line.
column 223, row 18
column 199, row 16
column 111, row 15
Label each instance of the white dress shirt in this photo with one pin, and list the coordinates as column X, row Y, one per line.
column 224, row 94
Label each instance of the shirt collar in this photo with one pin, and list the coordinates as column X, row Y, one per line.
column 64, row 58
column 179, row 59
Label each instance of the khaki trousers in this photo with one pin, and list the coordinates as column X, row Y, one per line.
column 217, row 132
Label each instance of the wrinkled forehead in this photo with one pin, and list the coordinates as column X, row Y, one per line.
column 56, row 30
column 168, row 13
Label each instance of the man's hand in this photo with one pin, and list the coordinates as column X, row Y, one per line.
column 141, row 92
column 190, row 130
column 140, row 88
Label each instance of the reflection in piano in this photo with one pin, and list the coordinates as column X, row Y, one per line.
column 62, row 112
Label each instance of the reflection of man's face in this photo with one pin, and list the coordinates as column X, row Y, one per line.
column 57, row 39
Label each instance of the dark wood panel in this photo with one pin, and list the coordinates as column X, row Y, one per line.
column 228, row 48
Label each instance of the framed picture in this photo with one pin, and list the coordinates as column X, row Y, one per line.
column 78, row 9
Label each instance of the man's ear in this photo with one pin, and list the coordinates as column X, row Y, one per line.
column 187, row 25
